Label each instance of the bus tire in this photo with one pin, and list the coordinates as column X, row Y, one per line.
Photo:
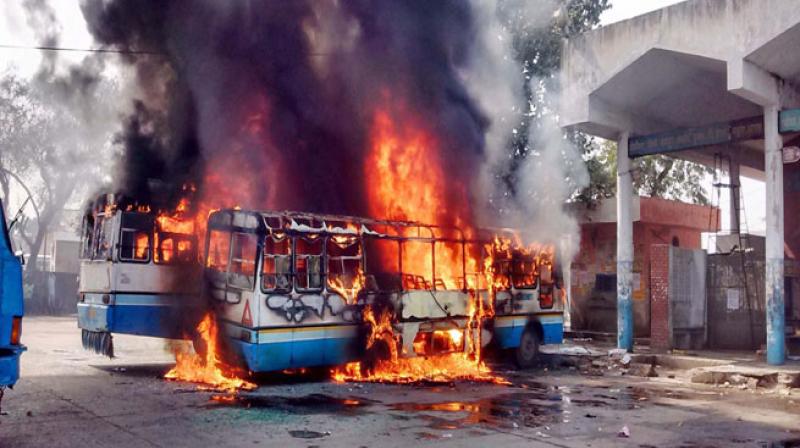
column 199, row 345
column 525, row 355
column 380, row 351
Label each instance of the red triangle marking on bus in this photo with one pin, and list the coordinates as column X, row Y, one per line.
column 247, row 318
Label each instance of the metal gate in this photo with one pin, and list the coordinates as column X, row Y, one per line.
column 687, row 295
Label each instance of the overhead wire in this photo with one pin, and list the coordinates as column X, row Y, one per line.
column 80, row 50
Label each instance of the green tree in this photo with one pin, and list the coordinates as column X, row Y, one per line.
column 53, row 140
column 657, row 176
column 537, row 48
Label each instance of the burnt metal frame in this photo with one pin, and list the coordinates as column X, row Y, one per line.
column 157, row 247
column 264, row 254
column 296, row 224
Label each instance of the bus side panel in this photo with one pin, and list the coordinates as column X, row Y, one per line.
column 341, row 345
column 285, row 348
column 508, row 330
column 11, row 305
column 139, row 314
column 9, row 367
column 552, row 328
column 95, row 276
column 93, row 314
column 273, row 350
column 323, row 346
column 153, row 315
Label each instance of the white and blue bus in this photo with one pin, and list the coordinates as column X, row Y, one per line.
column 138, row 276
column 11, row 304
column 290, row 288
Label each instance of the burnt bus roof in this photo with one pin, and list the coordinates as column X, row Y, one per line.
column 300, row 223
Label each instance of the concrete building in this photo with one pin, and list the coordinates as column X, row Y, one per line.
column 593, row 272
column 703, row 80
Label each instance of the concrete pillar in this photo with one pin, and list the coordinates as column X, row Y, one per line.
column 624, row 246
column 773, row 167
column 735, row 196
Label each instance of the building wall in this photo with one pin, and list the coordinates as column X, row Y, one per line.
column 661, row 222
column 731, row 306
column 791, row 208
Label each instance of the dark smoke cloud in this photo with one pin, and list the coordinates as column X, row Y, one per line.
column 277, row 97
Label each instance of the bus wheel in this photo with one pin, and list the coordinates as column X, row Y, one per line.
column 380, row 351
column 528, row 348
column 199, row 345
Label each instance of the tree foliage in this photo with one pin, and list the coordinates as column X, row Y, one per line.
column 657, row 176
column 51, row 150
column 538, row 47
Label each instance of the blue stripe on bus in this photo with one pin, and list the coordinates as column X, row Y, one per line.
column 268, row 357
column 154, row 319
column 508, row 331
column 553, row 332
column 9, row 365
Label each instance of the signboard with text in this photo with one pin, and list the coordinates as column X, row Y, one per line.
column 715, row 134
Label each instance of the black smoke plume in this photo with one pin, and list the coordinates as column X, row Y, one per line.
column 277, row 97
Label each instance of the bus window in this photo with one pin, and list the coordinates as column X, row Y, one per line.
column 87, row 236
column 219, row 244
column 134, row 245
column 174, row 248
column 450, row 265
column 242, row 270
column 308, row 263
column 382, row 264
column 344, row 260
column 417, row 259
column 501, row 270
column 277, row 266
column 475, row 257
column 523, row 272
column 103, row 239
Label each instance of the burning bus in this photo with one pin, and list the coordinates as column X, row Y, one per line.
column 296, row 290
column 385, row 300
column 139, row 274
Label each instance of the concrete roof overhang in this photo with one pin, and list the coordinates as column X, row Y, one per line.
column 694, row 64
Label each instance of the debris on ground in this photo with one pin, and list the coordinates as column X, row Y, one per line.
column 624, row 432
column 745, row 378
column 306, row 434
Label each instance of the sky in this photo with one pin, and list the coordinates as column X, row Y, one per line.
column 15, row 31
column 625, row 9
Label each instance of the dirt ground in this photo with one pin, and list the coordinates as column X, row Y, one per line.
column 68, row 397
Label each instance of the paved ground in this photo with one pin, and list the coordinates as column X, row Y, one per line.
column 69, row 397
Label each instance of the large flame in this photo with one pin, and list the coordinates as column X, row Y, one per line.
column 208, row 369
column 406, row 181
column 395, row 369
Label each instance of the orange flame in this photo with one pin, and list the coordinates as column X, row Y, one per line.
column 349, row 294
column 441, row 368
column 209, row 370
column 406, row 181
column 141, row 245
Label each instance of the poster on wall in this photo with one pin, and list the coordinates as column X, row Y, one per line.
column 733, row 299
